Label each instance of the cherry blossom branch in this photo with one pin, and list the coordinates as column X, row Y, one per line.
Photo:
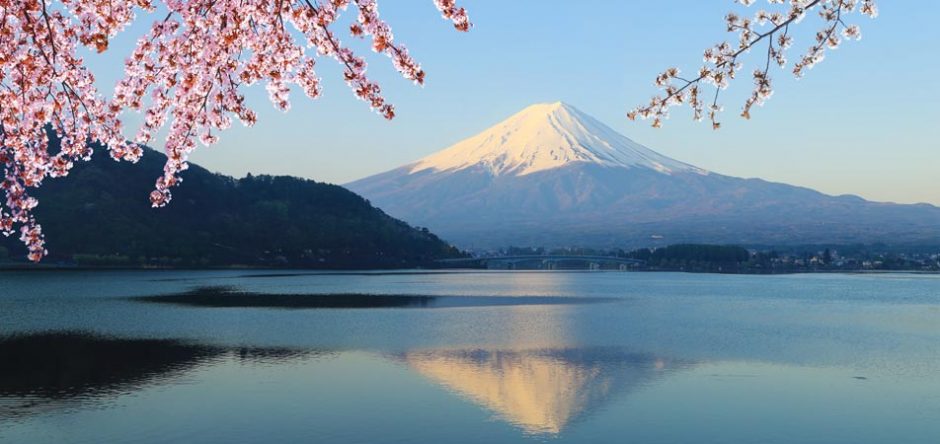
column 46, row 92
column 187, row 74
column 722, row 60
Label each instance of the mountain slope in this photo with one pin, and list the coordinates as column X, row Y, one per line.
column 100, row 214
column 553, row 176
column 546, row 136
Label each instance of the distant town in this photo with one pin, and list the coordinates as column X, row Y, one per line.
column 717, row 258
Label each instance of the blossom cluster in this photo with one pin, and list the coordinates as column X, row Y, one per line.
column 185, row 74
column 722, row 61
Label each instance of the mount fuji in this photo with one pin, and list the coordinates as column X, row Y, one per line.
column 552, row 175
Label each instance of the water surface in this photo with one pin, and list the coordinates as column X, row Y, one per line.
column 253, row 356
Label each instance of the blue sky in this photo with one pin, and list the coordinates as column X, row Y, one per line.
column 864, row 122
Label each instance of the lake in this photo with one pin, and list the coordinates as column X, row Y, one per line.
column 240, row 356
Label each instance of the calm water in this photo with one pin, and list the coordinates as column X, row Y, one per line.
column 160, row 356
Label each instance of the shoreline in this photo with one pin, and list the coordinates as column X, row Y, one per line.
column 76, row 268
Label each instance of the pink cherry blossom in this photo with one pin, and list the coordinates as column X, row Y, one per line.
column 723, row 61
column 187, row 74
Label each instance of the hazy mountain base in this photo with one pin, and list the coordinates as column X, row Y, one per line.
column 595, row 206
column 100, row 215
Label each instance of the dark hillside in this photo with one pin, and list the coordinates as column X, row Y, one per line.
column 100, row 215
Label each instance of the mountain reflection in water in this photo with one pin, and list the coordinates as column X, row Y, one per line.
column 540, row 391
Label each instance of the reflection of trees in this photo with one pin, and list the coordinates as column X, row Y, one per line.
column 50, row 370
column 541, row 391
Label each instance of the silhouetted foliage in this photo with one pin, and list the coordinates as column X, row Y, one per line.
column 705, row 253
column 693, row 257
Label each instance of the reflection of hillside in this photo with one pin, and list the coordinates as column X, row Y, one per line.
column 541, row 391
column 49, row 371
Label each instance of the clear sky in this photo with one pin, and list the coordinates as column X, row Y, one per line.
column 866, row 121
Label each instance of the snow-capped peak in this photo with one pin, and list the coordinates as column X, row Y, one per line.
column 546, row 136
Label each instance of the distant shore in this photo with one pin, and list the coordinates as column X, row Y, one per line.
column 77, row 268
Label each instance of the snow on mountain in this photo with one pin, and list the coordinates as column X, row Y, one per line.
column 546, row 136
column 551, row 175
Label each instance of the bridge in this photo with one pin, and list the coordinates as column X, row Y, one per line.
column 542, row 262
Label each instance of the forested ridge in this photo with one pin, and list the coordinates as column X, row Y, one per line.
column 100, row 215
